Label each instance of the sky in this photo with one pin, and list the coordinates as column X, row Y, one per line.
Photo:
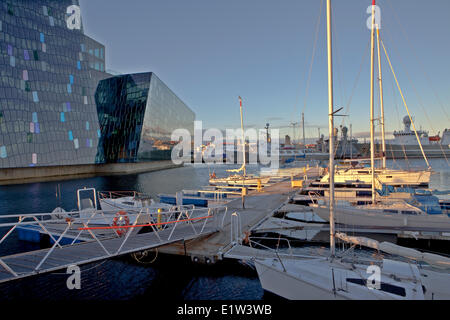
column 209, row 52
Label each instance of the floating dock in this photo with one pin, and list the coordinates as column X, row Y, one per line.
column 205, row 235
column 123, row 239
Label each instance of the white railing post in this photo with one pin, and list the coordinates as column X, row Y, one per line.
column 54, row 246
column 129, row 232
column 11, row 230
column 7, row 268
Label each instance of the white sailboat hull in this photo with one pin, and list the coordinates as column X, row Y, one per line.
column 383, row 176
column 380, row 219
column 322, row 279
column 239, row 181
column 289, row 287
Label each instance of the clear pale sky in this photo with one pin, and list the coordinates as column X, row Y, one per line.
column 209, row 52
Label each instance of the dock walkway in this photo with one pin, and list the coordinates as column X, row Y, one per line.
column 258, row 207
column 31, row 263
column 216, row 237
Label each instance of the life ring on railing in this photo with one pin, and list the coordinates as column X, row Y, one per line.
column 121, row 219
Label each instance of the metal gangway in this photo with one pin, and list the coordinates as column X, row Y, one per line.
column 106, row 235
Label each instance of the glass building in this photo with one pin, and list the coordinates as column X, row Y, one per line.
column 48, row 77
column 137, row 115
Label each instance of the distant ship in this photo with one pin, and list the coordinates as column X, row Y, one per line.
column 345, row 147
column 405, row 145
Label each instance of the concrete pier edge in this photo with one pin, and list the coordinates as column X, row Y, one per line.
column 12, row 176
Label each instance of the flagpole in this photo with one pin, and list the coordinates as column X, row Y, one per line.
column 243, row 135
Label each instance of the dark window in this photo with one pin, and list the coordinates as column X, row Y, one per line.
column 409, row 212
column 386, row 287
column 10, row 9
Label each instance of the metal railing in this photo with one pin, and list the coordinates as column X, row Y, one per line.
column 163, row 224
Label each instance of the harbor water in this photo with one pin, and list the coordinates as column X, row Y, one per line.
column 169, row 277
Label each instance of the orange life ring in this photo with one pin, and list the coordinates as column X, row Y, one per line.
column 121, row 219
column 247, row 237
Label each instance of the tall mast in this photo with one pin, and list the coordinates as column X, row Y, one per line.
column 372, row 129
column 243, row 136
column 330, row 125
column 380, row 82
column 303, row 126
column 351, row 142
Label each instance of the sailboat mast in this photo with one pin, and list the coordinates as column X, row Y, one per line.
column 303, row 127
column 331, row 126
column 243, row 136
column 380, row 82
column 372, row 129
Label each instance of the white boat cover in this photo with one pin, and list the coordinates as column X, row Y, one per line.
column 435, row 260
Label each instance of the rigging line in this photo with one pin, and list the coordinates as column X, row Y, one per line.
column 424, row 110
column 423, row 69
column 311, row 63
column 394, row 93
column 406, row 106
column 363, row 60
column 316, row 36
column 417, row 94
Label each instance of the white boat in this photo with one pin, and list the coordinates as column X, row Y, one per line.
column 239, row 180
column 353, row 277
column 391, row 177
column 128, row 200
column 405, row 144
column 397, row 214
column 328, row 279
column 117, row 207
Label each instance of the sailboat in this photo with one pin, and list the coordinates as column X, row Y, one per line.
column 237, row 179
column 338, row 277
column 350, row 278
column 411, row 178
column 417, row 212
column 390, row 177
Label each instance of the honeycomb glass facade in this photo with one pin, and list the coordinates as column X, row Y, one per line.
column 48, row 77
column 137, row 115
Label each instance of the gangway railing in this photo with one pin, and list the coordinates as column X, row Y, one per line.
column 112, row 232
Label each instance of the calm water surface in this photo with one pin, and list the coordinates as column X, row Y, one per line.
column 169, row 277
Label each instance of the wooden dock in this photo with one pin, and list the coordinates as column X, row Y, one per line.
column 207, row 245
column 258, row 207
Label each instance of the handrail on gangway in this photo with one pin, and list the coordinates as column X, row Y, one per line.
column 166, row 227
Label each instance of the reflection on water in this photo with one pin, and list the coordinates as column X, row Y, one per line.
column 170, row 277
